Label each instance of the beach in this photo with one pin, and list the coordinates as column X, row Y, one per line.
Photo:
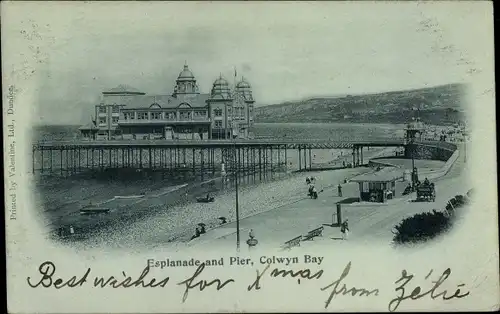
column 173, row 225
column 156, row 208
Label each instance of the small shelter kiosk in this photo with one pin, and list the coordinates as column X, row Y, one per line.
column 89, row 131
column 380, row 185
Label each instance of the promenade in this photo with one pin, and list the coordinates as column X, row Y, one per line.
column 369, row 223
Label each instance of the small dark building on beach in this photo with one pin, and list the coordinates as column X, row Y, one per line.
column 89, row 131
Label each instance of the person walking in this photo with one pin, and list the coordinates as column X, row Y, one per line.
column 345, row 229
column 340, row 190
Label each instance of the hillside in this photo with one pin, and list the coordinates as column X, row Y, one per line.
column 437, row 105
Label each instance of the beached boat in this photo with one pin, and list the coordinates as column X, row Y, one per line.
column 205, row 200
column 93, row 210
column 128, row 197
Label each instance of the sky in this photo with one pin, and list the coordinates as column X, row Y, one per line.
column 287, row 51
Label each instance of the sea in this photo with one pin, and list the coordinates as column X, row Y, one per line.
column 172, row 199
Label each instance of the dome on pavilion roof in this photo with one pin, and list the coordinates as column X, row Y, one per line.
column 243, row 84
column 185, row 74
column 220, row 89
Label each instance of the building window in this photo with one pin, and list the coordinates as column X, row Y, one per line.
column 128, row 116
column 102, row 120
column 218, row 124
column 102, row 109
column 201, row 113
column 218, row 112
column 115, row 120
column 156, row 115
column 142, row 116
column 170, row 115
column 116, row 109
column 185, row 115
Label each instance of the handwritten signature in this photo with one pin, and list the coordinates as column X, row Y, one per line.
column 417, row 293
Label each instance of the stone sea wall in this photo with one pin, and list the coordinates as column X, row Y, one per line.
column 441, row 151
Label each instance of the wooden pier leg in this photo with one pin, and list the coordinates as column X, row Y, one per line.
column 286, row 159
column 51, row 160
column 247, row 167
column 310, row 159
column 61, row 157
column 169, row 158
column 266, row 161
column 358, row 160
column 260, row 163
column 202, row 161
column 174, row 165
column 279, row 158
column 300, row 161
column 238, row 166
column 254, row 159
column 194, row 162
column 66, row 168
column 305, row 158
column 41, row 157
column 271, row 159
column 149, row 159
column 209, row 160
column 33, row 152
column 161, row 158
column 241, row 168
column 353, row 157
column 140, row 157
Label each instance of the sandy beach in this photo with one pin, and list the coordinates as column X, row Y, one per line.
column 174, row 224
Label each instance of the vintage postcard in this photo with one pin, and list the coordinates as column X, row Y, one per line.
column 166, row 157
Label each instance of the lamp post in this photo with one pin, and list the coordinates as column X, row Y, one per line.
column 237, row 165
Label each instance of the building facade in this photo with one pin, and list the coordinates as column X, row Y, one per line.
column 127, row 113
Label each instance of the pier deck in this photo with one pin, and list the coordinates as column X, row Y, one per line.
column 197, row 156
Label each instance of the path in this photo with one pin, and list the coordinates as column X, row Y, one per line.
column 369, row 223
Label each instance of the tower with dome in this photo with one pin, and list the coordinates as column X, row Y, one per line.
column 127, row 113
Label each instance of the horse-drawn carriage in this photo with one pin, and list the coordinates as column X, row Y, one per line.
column 426, row 192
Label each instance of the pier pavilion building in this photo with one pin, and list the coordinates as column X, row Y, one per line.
column 127, row 113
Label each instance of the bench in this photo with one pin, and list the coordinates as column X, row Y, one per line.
column 314, row 233
column 293, row 242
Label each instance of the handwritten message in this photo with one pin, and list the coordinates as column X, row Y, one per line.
column 332, row 285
